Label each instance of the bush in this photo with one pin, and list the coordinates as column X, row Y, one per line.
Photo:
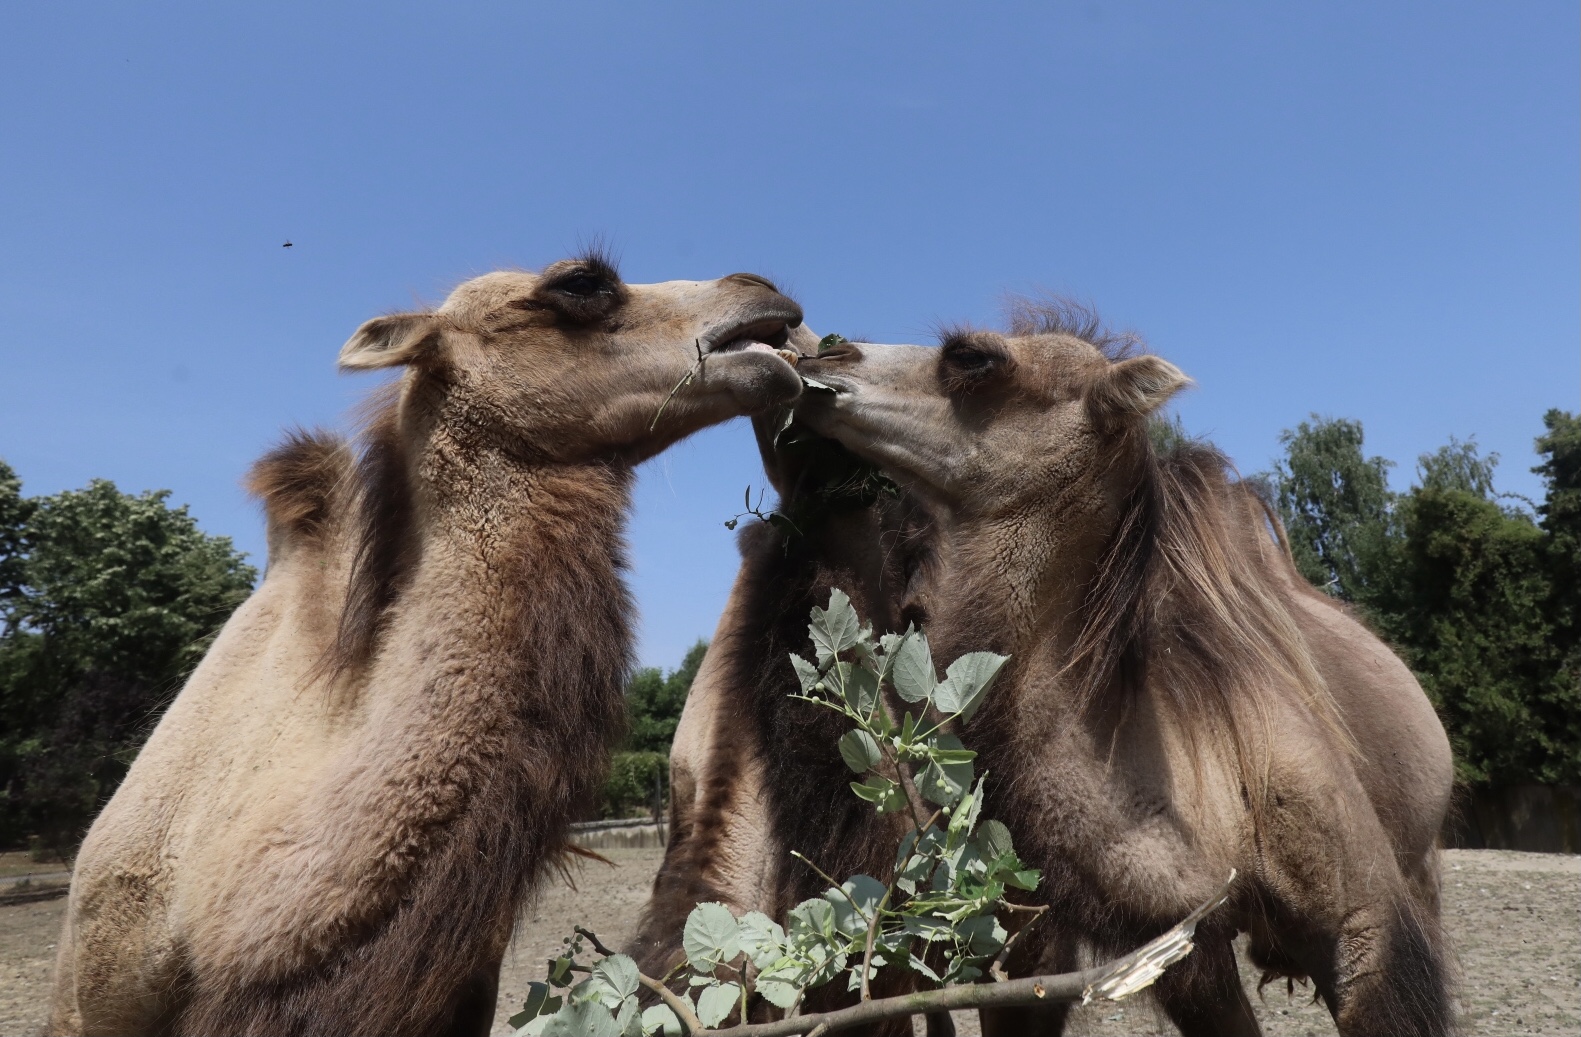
column 107, row 602
column 634, row 779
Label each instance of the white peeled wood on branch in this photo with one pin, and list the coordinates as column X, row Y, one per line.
column 1110, row 981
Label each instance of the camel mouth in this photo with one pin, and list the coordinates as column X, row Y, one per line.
column 765, row 336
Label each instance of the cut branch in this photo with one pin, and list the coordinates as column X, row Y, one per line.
column 1112, row 981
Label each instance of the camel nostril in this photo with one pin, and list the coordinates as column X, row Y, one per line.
column 751, row 279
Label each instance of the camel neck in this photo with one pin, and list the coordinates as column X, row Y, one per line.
column 1012, row 586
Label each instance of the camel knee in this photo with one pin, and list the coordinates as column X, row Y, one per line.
column 1390, row 973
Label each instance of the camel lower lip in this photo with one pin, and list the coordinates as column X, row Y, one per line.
column 751, row 345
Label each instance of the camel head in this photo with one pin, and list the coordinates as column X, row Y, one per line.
column 987, row 424
column 572, row 363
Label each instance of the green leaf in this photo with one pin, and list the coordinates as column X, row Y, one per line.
column 984, row 935
column 994, row 838
column 585, row 1019
column 710, row 937
column 806, row 673
column 812, row 917
column 911, row 671
column 966, row 681
column 918, row 965
column 560, row 971
column 853, row 919
column 613, row 980
column 1026, row 879
column 944, row 784
column 859, row 752
column 834, row 629
column 761, row 937
column 861, row 690
column 928, row 929
column 658, row 1019
column 629, row 1018
column 813, row 383
column 829, row 342
column 884, row 794
column 716, row 1003
column 538, row 1002
column 780, row 986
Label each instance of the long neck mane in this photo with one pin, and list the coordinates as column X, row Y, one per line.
column 1180, row 604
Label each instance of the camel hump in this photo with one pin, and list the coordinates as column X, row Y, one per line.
column 296, row 483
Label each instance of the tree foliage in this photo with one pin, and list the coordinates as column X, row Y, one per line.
column 654, row 701
column 1479, row 597
column 1334, row 502
column 107, row 601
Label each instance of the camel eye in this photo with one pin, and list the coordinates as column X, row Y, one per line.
column 581, row 285
column 967, row 364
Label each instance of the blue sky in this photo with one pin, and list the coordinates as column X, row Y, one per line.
column 1362, row 210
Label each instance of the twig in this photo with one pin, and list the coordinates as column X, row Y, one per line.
column 872, row 937
column 685, row 380
column 683, row 1011
column 593, row 939
column 997, row 969
column 678, row 1004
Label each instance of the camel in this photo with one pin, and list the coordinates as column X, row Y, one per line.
column 334, row 824
column 1179, row 702
column 747, row 762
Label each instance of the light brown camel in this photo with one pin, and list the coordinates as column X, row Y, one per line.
column 334, row 824
column 1179, row 702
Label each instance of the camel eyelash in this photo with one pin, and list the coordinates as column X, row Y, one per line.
column 965, row 364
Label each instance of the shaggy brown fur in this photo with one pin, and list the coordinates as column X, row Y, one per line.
column 1178, row 703
column 742, row 803
column 335, row 823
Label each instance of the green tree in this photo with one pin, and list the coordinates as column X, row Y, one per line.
column 1560, row 517
column 1478, row 598
column 654, row 701
column 1335, row 504
column 108, row 600
column 1468, row 607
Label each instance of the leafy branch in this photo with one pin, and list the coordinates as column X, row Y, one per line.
column 937, row 916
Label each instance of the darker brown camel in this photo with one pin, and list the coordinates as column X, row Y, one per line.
column 755, row 774
column 333, row 826
column 1179, row 701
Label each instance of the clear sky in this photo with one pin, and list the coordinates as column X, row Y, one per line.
column 1358, row 209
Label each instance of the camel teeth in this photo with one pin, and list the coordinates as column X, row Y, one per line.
column 790, row 356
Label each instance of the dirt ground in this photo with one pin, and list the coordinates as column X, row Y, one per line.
column 1515, row 919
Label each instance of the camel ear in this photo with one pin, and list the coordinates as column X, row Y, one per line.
column 1135, row 387
column 401, row 338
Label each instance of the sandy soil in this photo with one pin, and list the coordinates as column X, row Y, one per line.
column 1515, row 919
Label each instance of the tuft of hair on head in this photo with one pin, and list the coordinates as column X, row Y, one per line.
column 296, row 481
column 1050, row 314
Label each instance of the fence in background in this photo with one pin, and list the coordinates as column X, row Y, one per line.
column 1538, row 818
